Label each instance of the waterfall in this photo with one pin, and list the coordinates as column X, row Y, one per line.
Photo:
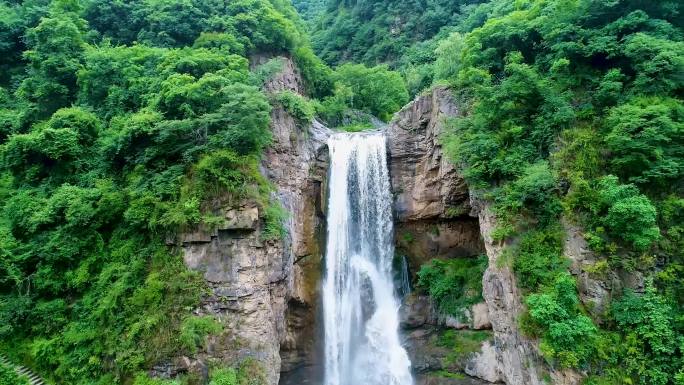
column 361, row 318
column 405, row 277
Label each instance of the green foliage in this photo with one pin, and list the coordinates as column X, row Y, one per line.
column 539, row 257
column 248, row 373
column 448, row 62
column 455, row 284
column 356, row 127
column 461, row 343
column 121, row 124
column 193, row 330
column 55, row 52
column 274, row 222
column 558, row 97
column 651, row 340
column 360, row 92
column 297, row 106
column 513, row 125
column 646, row 140
column 568, row 336
column 254, row 25
column 399, row 33
column 9, row 377
column 316, row 74
column 224, row 377
column 143, row 379
column 375, row 90
column 533, row 194
column 621, row 211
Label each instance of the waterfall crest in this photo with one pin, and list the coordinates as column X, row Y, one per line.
column 361, row 319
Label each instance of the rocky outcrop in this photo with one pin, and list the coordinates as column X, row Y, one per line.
column 432, row 212
column 426, row 185
column 264, row 292
column 596, row 282
column 516, row 357
column 439, row 217
column 433, row 360
column 433, row 200
column 430, row 197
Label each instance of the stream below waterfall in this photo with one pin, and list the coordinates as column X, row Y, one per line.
column 360, row 306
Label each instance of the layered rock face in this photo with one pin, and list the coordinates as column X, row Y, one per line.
column 432, row 209
column 439, row 217
column 510, row 358
column 265, row 293
column 433, row 220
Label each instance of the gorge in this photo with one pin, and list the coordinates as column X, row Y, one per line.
column 285, row 318
column 341, row 192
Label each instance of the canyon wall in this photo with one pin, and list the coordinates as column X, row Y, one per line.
column 438, row 216
column 433, row 219
column 264, row 293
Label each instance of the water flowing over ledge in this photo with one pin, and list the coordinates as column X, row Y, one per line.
column 362, row 344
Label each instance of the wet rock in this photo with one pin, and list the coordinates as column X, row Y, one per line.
column 417, row 311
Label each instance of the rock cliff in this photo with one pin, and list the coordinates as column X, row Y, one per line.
column 265, row 292
column 438, row 216
column 432, row 209
column 433, row 220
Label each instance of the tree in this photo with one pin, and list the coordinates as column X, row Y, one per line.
column 646, row 141
column 55, row 55
column 376, row 90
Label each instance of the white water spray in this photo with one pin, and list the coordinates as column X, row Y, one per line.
column 362, row 345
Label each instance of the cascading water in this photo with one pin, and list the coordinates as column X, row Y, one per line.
column 405, row 277
column 361, row 320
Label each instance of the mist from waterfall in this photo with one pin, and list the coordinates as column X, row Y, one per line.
column 361, row 320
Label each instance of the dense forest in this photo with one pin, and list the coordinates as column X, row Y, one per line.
column 121, row 120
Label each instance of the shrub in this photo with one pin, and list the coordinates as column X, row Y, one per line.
column 462, row 343
column 626, row 213
column 648, row 323
column 455, row 284
column 539, row 257
column 224, row 170
column 227, row 376
column 193, row 331
column 568, row 337
column 357, row 127
column 646, row 140
column 250, row 372
column 144, row 379
column 298, row 107
column 530, row 199
column 274, row 222
column 375, row 90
